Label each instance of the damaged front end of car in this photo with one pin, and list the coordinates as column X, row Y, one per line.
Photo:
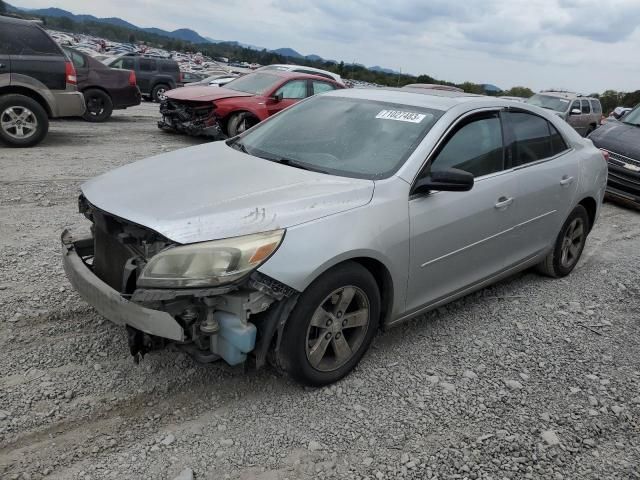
column 190, row 117
column 207, row 299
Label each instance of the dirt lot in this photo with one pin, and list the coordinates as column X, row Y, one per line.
column 531, row 378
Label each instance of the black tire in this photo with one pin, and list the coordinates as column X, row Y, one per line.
column 554, row 265
column 157, row 94
column 99, row 105
column 18, row 105
column 240, row 122
column 590, row 130
column 300, row 334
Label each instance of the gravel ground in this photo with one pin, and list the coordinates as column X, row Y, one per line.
column 530, row 378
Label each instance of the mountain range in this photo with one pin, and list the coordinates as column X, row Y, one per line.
column 184, row 34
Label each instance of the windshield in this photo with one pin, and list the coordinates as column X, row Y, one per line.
column 550, row 103
column 344, row 136
column 255, row 83
column 633, row 117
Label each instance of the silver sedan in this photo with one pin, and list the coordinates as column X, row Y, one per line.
column 298, row 240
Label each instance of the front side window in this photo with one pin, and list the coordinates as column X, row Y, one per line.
column 576, row 106
column 321, row 87
column 586, row 107
column 342, row 136
column 29, row 40
column 296, row 89
column 530, row 137
column 475, row 147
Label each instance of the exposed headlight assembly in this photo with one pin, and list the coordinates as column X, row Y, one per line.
column 209, row 264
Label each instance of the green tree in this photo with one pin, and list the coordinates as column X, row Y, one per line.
column 132, row 38
column 523, row 92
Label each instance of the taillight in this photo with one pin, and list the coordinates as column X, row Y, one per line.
column 180, row 77
column 132, row 78
column 605, row 154
column 70, row 73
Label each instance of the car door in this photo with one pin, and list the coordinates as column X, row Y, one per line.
column 547, row 174
column 292, row 92
column 147, row 68
column 5, row 67
column 575, row 119
column 458, row 239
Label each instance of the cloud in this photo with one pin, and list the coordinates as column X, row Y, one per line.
column 540, row 43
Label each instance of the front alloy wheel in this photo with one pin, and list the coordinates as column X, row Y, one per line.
column 332, row 326
column 337, row 329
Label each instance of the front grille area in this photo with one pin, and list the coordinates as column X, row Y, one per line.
column 619, row 159
column 121, row 249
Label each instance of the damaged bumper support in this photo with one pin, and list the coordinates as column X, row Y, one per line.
column 192, row 118
column 208, row 323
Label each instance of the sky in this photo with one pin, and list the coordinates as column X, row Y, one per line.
column 580, row 45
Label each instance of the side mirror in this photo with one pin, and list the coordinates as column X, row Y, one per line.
column 450, row 180
column 576, row 111
column 278, row 97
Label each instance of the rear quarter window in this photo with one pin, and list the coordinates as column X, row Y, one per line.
column 27, row 40
column 595, row 106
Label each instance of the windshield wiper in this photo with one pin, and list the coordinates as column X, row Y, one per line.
column 238, row 145
column 296, row 164
column 634, row 124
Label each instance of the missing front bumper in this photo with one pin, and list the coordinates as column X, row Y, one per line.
column 107, row 301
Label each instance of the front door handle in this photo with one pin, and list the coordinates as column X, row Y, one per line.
column 504, row 202
column 566, row 180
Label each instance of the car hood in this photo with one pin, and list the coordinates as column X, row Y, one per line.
column 204, row 93
column 212, row 191
column 618, row 137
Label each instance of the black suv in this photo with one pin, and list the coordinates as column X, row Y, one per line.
column 155, row 75
column 37, row 82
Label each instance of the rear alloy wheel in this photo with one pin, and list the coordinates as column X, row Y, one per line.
column 158, row 93
column 23, row 121
column 99, row 106
column 331, row 326
column 240, row 122
column 569, row 245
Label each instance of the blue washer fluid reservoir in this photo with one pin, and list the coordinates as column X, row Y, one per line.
column 235, row 338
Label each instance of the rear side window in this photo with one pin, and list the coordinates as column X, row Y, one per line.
column 530, row 138
column 147, row 65
column 558, row 144
column 586, row 107
column 595, row 106
column 475, row 147
column 26, row 40
column 78, row 60
column 168, row 67
column 320, row 87
column 126, row 63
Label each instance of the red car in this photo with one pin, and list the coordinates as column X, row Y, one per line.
column 222, row 112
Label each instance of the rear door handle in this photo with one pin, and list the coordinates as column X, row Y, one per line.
column 566, row 180
column 504, row 202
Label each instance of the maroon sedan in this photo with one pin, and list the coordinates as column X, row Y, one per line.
column 222, row 112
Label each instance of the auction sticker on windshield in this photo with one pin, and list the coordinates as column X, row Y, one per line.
column 401, row 116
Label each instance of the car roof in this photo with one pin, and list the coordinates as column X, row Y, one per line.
column 19, row 21
column 426, row 98
column 568, row 95
column 288, row 74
